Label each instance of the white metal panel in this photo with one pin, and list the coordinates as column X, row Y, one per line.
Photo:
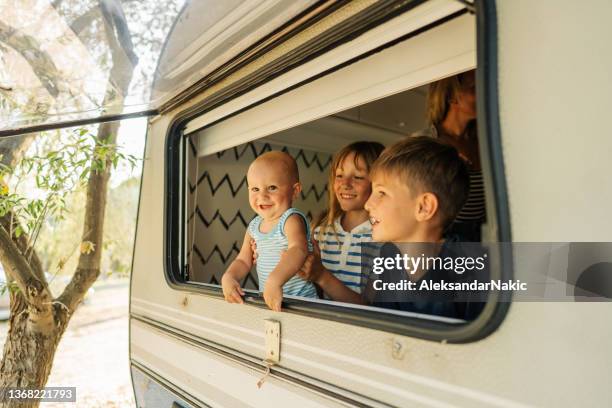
column 421, row 16
column 555, row 82
column 213, row 379
column 442, row 51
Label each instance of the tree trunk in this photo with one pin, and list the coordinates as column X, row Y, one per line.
column 35, row 326
column 29, row 353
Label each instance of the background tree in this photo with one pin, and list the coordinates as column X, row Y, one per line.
column 37, row 319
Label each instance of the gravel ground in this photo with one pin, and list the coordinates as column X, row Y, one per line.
column 93, row 354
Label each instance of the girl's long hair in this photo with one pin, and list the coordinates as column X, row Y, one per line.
column 369, row 152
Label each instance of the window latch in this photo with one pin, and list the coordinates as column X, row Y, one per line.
column 272, row 356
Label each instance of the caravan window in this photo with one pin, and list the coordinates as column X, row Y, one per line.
column 217, row 198
column 218, row 210
column 380, row 96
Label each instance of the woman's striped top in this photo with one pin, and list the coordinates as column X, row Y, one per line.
column 269, row 247
column 474, row 208
column 341, row 252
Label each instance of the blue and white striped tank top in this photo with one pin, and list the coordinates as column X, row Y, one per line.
column 269, row 247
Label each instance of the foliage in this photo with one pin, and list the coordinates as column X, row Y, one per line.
column 58, row 255
column 56, row 174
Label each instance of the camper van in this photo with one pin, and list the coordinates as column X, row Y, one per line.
column 236, row 79
column 338, row 72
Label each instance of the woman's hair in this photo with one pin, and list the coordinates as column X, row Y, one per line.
column 369, row 152
column 441, row 93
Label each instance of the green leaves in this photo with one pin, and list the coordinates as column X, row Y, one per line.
column 60, row 170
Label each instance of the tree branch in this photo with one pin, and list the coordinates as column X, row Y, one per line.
column 36, row 292
column 41, row 62
column 84, row 20
column 81, row 22
column 115, row 20
column 13, row 148
column 22, row 246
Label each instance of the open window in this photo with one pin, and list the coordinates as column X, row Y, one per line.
column 378, row 95
column 217, row 203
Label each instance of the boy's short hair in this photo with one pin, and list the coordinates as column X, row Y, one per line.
column 427, row 165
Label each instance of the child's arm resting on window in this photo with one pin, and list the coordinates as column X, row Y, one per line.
column 235, row 273
column 314, row 271
column 290, row 262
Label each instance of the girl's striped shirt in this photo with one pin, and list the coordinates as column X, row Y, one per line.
column 341, row 252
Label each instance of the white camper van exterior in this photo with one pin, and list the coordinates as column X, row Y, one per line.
column 543, row 77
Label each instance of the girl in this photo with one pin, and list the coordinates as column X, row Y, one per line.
column 345, row 226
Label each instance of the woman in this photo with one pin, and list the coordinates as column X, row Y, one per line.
column 451, row 113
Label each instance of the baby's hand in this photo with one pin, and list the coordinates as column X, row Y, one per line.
column 231, row 289
column 273, row 295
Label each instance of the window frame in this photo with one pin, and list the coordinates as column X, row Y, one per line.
column 373, row 318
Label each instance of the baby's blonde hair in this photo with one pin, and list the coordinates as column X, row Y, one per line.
column 284, row 159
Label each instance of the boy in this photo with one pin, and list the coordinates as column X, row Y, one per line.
column 418, row 187
column 273, row 183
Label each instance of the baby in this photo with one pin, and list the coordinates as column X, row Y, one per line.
column 273, row 183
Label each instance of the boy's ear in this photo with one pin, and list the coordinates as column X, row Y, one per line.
column 427, row 207
column 297, row 188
